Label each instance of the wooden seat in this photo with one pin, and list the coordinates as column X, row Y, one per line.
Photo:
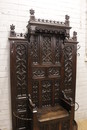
column 51, row 113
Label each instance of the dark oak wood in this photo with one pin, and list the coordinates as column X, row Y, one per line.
column 43, row 75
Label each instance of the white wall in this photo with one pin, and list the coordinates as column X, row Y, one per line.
column 17, row 12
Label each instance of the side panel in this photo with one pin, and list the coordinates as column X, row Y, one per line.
column 19, row 83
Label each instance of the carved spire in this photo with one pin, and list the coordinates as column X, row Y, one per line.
column 67, row 20
column 32, row 17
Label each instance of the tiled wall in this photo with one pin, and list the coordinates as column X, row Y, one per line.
column 17, row 12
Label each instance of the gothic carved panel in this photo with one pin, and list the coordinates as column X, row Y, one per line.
column 21, row 69
column 56, row 92
column 46, row 50
column 35, row 93
column 21, row 105
column 34, row 49
column 58, row 50
column 46, row 92
column 68, row 65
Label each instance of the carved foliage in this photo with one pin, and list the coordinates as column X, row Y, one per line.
column 46, row 50
column 21, row 69
column 46, row 92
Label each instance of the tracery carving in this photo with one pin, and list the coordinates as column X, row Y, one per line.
column 21, row 69
column 35, row 93
column 54, row 71
column 56, row 92
column 46, row 92
column 68, row 65
column 34, row 49
column 58, row 51
column 21, row 105
column 37, row 72
column 46, row 50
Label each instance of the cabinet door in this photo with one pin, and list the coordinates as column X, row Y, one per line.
column 19, row 69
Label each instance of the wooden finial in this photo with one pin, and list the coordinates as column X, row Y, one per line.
column 32, row 12
column 75, row 36
column 32, row 17
column 67, row 20
column 12, row 30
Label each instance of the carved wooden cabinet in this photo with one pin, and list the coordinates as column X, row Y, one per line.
column 43, row 75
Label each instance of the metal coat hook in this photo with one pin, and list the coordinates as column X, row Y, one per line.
column 78, row 47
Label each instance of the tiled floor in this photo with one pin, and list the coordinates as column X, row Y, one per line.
column 82, row 125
